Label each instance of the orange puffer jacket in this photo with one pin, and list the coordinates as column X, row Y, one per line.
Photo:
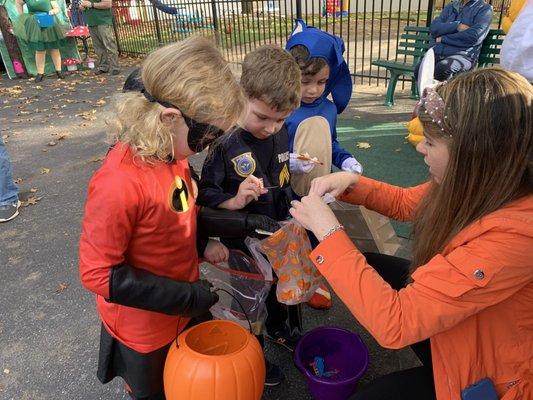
column 474, row 300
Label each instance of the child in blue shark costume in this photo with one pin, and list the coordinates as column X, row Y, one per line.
column 312, row 127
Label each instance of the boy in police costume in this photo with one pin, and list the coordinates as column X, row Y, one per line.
column 249, row 171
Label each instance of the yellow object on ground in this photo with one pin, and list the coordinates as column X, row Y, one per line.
column 416, row 132
column 514, row 9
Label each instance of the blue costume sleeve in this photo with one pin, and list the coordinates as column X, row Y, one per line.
column 339, row 153
column 211, row 190
column 439, row 26
column 473, row 35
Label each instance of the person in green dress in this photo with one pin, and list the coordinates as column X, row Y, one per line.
column 39, row 39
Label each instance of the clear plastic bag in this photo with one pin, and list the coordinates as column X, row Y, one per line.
column 244, row 284
column 287, row 253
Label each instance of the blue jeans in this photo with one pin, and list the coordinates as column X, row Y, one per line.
column 8, row 189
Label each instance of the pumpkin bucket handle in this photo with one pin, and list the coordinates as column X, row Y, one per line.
column 234, row 298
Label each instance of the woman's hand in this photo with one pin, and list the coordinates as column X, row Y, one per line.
column 334, row 184
column 216, row 252
column 314, row 215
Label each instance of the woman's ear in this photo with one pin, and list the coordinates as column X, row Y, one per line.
column 169, row 116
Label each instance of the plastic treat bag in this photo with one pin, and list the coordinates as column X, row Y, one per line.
column 287, row 251
column 244, row 284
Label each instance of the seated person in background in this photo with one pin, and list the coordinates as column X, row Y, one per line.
column 457, row 34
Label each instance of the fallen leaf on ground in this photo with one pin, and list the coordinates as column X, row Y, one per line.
column 30, row 201
column 52, row 143
column 96, row 159
column 100, row 102
column 45, row 171
column 33, row 190
column 62, row 135
column 398, row 149
column 18, row 181
column 88, row 115
column 363, row 145
column 61, row 287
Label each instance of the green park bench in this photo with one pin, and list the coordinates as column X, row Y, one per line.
column 414, row 43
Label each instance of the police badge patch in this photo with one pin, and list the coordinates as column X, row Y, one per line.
column 244, row 164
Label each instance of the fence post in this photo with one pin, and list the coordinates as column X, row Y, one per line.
column 157, row 27
column 298, row 8
column 214, row 20
column 430, row 12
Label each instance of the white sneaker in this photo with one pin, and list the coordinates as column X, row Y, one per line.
column 9, row 211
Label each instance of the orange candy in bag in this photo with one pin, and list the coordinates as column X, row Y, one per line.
column 288, row 252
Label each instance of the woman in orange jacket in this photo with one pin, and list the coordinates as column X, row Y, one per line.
column 471, row 284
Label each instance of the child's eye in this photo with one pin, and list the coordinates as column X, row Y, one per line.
column 262, row 118
column 323, row 82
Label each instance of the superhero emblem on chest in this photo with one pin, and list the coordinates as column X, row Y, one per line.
column 179, row 196
column 244, row 164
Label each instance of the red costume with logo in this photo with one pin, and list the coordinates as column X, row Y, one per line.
column 145, row 216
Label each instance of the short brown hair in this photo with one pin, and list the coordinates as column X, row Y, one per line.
column 271, row 75
column 308, row 65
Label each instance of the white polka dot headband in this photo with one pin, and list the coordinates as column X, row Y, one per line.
column 433, row 106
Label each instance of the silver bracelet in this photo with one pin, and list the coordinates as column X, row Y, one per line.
column 338, row 227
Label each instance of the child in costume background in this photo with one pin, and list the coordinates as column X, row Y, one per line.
column 313, row 126
column 138, row 250
column 249, row 170
column 41, row 40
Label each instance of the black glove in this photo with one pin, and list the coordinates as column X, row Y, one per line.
column 217, row 222
column 257, row 221
column 135, row 287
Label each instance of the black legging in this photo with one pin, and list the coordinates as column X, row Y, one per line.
column 410, row 384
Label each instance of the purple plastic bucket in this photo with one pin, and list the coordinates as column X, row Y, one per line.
column 342, row 350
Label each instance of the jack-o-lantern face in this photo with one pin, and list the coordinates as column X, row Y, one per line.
column 179, row 196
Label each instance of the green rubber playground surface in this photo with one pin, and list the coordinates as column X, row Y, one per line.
column 390, row 158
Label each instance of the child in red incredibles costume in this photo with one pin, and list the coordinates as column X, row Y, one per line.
column 138, row 248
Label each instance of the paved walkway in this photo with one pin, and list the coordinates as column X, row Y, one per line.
column 48, row 323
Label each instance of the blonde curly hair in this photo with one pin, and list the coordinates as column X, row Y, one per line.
column 191, row 75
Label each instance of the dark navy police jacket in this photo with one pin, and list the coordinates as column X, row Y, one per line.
column 239, row 155
column 476, row 14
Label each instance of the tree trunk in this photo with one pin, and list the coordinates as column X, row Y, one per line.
column 11, row 43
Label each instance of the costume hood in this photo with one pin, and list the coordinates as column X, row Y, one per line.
column 331, row 48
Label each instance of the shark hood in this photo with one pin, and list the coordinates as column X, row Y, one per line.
column 331, row 48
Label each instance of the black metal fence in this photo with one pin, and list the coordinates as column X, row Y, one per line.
column 370, row 28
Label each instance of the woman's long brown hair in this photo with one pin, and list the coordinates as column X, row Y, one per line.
column 489, row 115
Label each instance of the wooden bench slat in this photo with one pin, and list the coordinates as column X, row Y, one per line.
column 415, row 37
column 414, row 45
column 413, row 28
column 394, row 65
column 414, row 53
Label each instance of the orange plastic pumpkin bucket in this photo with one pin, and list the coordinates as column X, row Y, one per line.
column 215, row 360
